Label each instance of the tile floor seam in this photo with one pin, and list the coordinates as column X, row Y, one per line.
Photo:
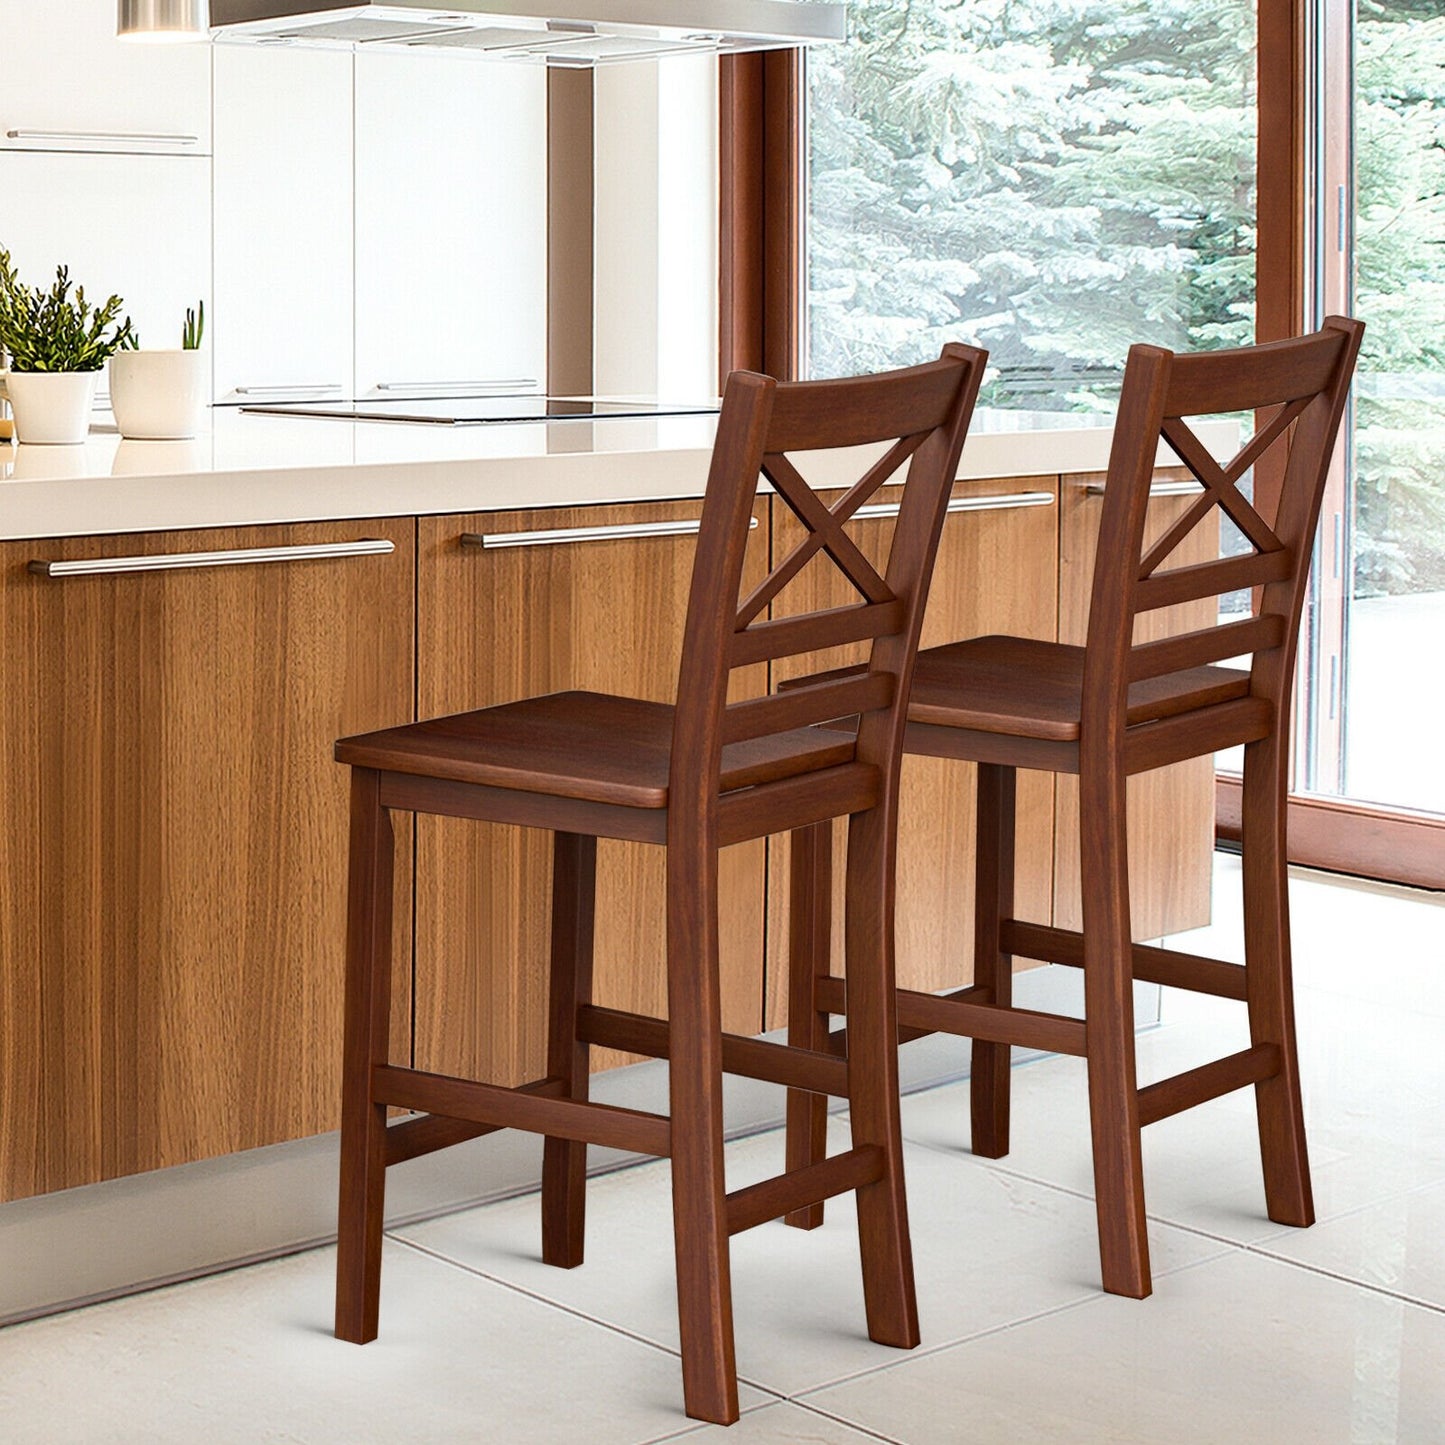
column 1435, row 1307
column 865, row 1430
column 565, row 1309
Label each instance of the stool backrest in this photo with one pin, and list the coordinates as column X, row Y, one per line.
column 922, row 412
column 1297, row 389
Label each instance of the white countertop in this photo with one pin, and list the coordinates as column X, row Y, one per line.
column 249, row 470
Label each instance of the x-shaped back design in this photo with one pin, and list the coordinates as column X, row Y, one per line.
column 1220, row 485
column 825, row 528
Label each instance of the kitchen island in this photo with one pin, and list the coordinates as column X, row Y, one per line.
column 173, row 845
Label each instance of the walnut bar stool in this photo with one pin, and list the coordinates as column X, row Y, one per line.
column 1105, row 711
column 693, row 777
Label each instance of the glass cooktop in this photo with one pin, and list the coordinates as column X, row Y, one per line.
column 480, row 410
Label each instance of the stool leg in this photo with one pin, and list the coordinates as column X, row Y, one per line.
column 887, row 1254
column 699, row 1203
column 1288, row 1196
column 810, row 868
column 564, row 1161
column 368, row 1018
column 1109, row 1010
column 993, row 900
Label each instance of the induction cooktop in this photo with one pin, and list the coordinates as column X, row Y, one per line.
column 481, row 410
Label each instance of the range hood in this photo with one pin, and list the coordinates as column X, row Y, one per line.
column 556, row 32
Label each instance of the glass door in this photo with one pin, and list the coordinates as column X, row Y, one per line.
column 1374, row 686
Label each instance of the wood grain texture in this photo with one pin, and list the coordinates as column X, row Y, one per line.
column 494, row 626
column 173, row 845
column 1171, row 812
column 977, row 587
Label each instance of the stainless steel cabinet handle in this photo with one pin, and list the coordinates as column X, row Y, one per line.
column 298, row 390
column 512, row 383
column 1003, row 502
column 563, row 535
column 1159, row 489
column 241, row 557
column 107, row 136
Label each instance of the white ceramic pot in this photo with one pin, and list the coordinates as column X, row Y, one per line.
column 50, row 407
column 158, row 395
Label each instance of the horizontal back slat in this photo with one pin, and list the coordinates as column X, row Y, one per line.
column 802, row 707
column 1212, row 579
column 1211, row 644
column 789, row 636
column 859, row 410
column 1250, row 377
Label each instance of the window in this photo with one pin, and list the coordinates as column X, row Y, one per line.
column 1051, row 180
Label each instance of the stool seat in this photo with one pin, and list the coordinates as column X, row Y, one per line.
column 1025, row 688
column 591, row 746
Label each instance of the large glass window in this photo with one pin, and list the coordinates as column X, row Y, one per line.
column 1053, row 179
column 1376, row 694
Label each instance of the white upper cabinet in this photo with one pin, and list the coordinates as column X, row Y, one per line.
column 283, row 224
column 137, row 227
column 67, row 83
column 451, row 225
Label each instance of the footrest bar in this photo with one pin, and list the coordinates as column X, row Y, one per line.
column 412, row 1138
column 928, row 1013
column 776, row 1197
column 1208, row 1081
column 1150, row 964
column 820, row 1073
column 831, row 994
column 515, row 1109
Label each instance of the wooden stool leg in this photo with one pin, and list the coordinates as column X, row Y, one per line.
column 1109, row 1010
column 1288, row 1195
column 564, row 1161
column 368, row 1018
column 887, row 1254
column 993, row 900
column 810, row 872
column 699, row 1203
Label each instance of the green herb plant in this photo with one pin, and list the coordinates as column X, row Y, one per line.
column 48, row 330
column 191, row 332
column 194, row 328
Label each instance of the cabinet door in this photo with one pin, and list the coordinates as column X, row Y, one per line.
column 283, row 224
column 1171, row 811
column 173, row 843
column 499, row 623
column 69, row 84
column 997, row 571
column 451, row 224
column 133, row 226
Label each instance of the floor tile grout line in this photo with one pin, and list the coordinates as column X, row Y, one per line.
column 1433, row 1306
column 542, row 1299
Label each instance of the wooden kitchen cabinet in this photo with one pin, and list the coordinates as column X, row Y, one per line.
column 997, row 571
column 283, row 224
column 451, row 224
column 500, row 622
column 70, row 84
column 173, row 847
column 1171, row 810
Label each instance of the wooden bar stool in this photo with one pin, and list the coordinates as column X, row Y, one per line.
column 694, row 777
column 1105, row 711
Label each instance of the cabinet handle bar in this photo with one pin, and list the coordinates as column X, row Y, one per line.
column 1159, row 489
column 147, row 137
column 492, row 385
column 295, row 390
column 1004, row 502
column 561, row 536
column 240, row 557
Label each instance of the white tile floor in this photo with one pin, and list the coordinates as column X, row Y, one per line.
column 1253, row 1334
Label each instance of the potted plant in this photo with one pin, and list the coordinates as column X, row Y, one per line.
column 160, row 395
column 57, row 345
